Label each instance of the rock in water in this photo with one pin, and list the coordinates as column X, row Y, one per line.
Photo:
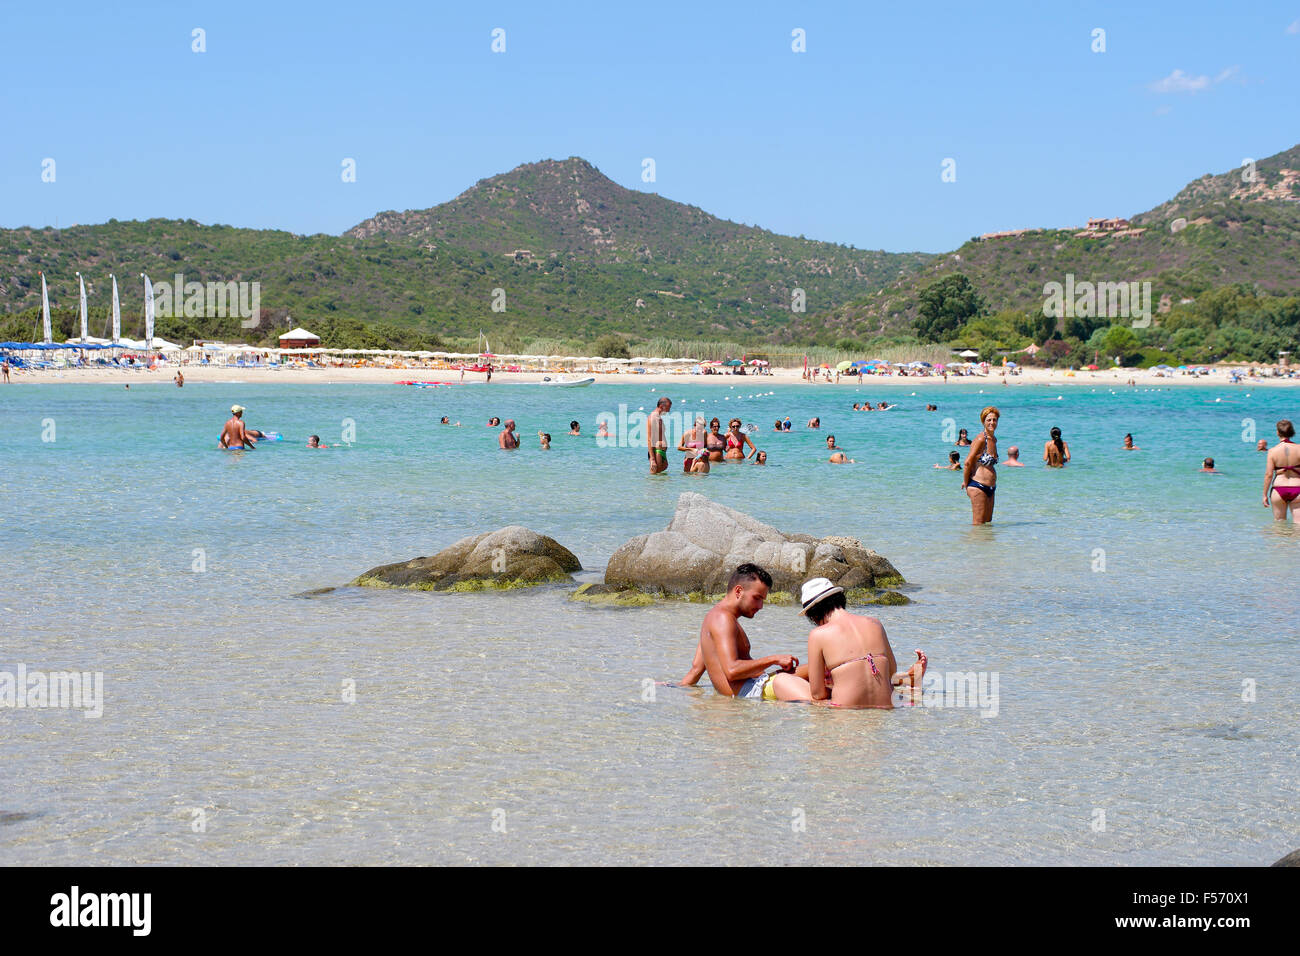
column 510, row 557
column 705, row 541
column 1291, row 859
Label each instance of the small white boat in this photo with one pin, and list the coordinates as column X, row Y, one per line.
column 568, row 382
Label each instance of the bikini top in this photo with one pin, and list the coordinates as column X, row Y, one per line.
column 869, row 659
column 709, row 440
column 1295, row 468
column 988, row 460
column 732, row 441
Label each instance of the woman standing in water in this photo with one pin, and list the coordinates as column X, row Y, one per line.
column 1282, row 473
column 979, row 480
column 697, row 455
column 1056, row 453
column 714, row 442
column 736, row 441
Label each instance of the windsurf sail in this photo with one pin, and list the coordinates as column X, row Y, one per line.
column 85, row 334
column 45, row 313
column 148, row 311
column 117, row 313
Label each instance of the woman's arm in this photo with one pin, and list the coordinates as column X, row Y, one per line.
column 816, row 670
column 1268, row 477
column 1046, row 445
column 753, row 447
column 1066, row 444
column 969, row 466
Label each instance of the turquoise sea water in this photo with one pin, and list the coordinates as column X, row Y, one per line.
column 1120, row 690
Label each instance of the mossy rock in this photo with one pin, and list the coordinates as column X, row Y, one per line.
column 502, row 560
column 605, row 596
column 875, row 596
column 694, row 557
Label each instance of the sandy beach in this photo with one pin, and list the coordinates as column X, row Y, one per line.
column 372, row 375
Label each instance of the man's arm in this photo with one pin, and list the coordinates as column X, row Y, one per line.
column 697, row 668
column 733, row 667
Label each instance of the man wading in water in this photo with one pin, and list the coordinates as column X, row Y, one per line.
column 234, row 434
column 656, row 443
column 723, row 649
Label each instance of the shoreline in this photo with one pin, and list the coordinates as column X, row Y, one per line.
column 382, row 376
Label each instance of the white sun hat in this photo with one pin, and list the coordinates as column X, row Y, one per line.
column 815, row 590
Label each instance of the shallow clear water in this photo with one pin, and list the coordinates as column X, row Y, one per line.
column 1119, row 690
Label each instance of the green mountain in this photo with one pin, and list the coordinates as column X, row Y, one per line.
column 575, row 254
column 1231, row 231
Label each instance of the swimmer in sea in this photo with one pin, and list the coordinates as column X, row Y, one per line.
column 963, row 439
column 850, row 660
column 1282, row 473
column 979, row 479
column 736, row 442
column 714, row 442
column 545, row 439
column 655, row 440
column 778, row 427
column 314, row 442
column 1207, row 467
column 575, row 428
column 1261, row 445
column 1056, row 453
column 814, row 423
column 508, row 440
column 697, row 453
column 603, row 430
column 179, row 379
column 447, row 421
column 760, row 458
column 493, row 422
column 723, row 650
column 1013, row 457
column 1129, row 446
column 954, row 462
column 234, row 435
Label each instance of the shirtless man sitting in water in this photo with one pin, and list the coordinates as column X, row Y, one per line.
column 234, row 435
column 850, row 661
column 723, row 648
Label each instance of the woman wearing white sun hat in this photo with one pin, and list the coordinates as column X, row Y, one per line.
column 850, row 661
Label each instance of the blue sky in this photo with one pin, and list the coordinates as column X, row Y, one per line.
column 842, row 143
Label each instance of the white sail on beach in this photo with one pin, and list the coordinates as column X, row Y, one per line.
column 117, row 313
column 85, row 333
column 148, row 311
column 45, row 312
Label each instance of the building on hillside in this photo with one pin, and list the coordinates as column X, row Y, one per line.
column 520, row 255
column 1007, row 234
column 299, row 338
column 1103, row 228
